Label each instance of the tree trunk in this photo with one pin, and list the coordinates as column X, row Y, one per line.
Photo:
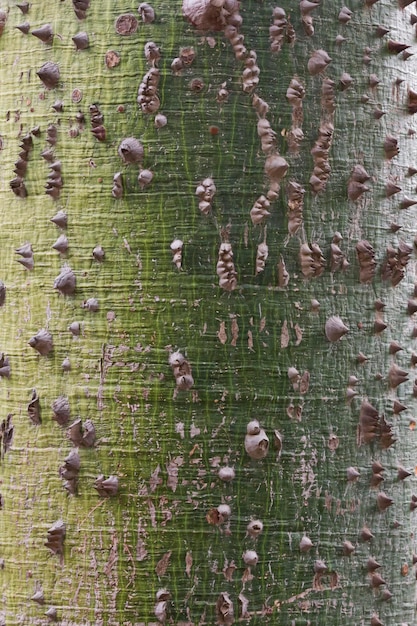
column 225, row 295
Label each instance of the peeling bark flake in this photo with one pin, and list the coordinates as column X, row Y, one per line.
column 247, row 575
column 229, row 570
column 155, row 479
column 295, row 412
column 298, row 334
column 162, row 565
column 141, row 551
column 221, row 333
column 172, row 469
column 188, row 563
column 152, row 513
column 285, row 335
column 235, row 331
column 304, row 382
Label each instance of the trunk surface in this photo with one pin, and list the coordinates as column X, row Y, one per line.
column 161, row 549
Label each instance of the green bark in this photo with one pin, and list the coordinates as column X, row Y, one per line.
column 166, row 446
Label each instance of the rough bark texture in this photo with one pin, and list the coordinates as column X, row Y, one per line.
column 227, row 304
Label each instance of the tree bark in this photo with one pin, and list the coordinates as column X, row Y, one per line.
column 208, row 259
